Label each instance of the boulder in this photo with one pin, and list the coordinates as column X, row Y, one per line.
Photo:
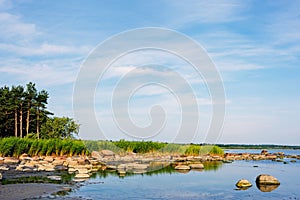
column 265, row 179
column 57, row 162
column 4, row 168
column 264, row 152
column 48, row 159
column 81, row 176
column 25, row 156
column 1, row 176
column 60, row 168
column 107, row 153
column 49, row 168
column 10, row 160
column 243, row 183
column 182, row 167
column 71, row 170
column 82, row 171
column 196, row 166
column 111, row 167
column 96, row 155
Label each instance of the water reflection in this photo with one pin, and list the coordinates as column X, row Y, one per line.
column 212, row 165
column 158, row 168
column 266, row 188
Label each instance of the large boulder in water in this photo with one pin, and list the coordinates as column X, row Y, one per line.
column 265, row 179
column 243, row 183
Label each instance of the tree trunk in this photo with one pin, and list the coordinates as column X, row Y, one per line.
column 38, row 124
column 27, row 120
column 6, row 122
column 16, row 123
column 21, row 124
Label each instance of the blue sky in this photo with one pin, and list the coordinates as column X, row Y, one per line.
column 255, row 45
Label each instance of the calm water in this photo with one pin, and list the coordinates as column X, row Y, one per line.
column 215, row 182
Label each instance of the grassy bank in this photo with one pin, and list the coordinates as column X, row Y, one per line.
column 13, row 146
column 123, row 146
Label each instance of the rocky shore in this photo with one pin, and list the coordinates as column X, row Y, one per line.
column 82, row 167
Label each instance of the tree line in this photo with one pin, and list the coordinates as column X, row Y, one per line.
column 23, row 113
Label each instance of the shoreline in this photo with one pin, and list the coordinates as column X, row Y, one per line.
column 30, row 190
column 80, row 168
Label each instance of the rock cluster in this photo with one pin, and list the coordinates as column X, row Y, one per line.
column 264, row 182
column 84, row 166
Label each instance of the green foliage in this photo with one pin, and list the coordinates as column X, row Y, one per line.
column 22, row 110
column 13, row 146
column 193, row 150
column 100, row 145
column 59, row 127
column 122, row 146
column 139, row 146
column 203, row 150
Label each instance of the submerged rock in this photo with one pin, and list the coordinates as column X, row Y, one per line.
column 243, row 183
column 182, row 167
column 265, row 179
column 54, row 178
column 196, row 166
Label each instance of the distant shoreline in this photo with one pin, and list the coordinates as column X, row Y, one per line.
column 257, row 146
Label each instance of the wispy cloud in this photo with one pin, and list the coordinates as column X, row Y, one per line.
column 43, row 49
column 12, row 26
column 45, row 73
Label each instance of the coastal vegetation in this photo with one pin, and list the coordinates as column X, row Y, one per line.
column 12, row 146
column 123, row 146
column 23, row 113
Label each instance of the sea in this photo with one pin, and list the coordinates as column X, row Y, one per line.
column 216, row 181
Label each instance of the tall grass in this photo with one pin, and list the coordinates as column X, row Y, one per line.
column 123, row 146
column 13, row 146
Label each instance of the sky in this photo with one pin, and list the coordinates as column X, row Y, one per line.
column 254, row 45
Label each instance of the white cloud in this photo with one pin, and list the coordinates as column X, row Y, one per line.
column 44, row 73
column 205, row 12
column 43, row 49
column 12, row 26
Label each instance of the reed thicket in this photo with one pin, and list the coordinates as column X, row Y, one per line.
column 13, row 146
column 123, row 146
